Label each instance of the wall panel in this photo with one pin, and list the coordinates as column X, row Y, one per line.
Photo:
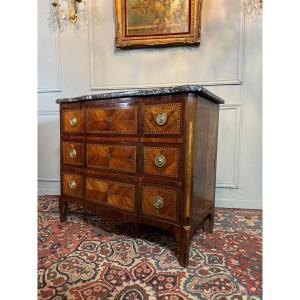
column 218, row 60
column 49, row 79
column 228, row 62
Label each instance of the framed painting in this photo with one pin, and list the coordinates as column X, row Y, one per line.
column 143, row 23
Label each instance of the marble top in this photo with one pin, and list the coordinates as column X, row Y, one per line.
column 197, row 89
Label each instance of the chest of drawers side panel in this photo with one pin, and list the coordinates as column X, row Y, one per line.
column 189, row 136
column 204, row 160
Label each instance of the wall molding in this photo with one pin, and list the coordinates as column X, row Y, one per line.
column 234, row 184
column 58, row 88
column 237, row 80
column 44, row 112
column 48, row 179
column 223, row 185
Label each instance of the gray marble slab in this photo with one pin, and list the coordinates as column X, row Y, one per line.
column 197, row 89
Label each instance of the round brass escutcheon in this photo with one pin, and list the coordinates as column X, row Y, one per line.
column 161, row 119
column 160, row 160
column 158, row 202
column 73, row 121
column 73, row 153
column 72, row 185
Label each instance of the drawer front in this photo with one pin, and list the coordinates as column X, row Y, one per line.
column 163, row 118
column 72, row 185
column 72, row 121
column 112, row 157
column 73, row 153
column 112, row 193
column 161, row 161
column 112, row 120
column 160, row 202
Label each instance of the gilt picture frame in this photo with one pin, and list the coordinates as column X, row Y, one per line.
column 151, row 23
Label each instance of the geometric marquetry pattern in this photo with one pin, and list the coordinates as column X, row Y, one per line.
column 115, row 120
column 73, row 153
column 112, row 157
column 172, row 159
column 169, row 209
column 76, row 190
column 173, row 113
column 68, row 116
column 112, row 193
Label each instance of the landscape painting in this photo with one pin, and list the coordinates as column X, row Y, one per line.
column 149, row 17
column 141, row 23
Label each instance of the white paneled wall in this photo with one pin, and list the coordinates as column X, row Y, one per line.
column 49, row 79
column 83, row 60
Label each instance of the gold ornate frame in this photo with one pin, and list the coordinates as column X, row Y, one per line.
column 190, row 38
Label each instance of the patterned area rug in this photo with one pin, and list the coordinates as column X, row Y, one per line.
column 87, row 258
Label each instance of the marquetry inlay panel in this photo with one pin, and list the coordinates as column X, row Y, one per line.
column 72, row 185
column 112, row 120
column 72, row 121
column 170, row 167
column 112, row 157
column 169, row 198
column 172, row 112
column 112, row 193
column 73, row 153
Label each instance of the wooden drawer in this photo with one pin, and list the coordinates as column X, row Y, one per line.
column 73, row 153
column 112, row 157
column 161, row 202
column 72, row 185
column 112, row 120
column 72, row 121
column 163, row 118
column 112, row 193
column 161, row 161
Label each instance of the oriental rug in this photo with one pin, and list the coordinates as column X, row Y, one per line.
column 88, row 258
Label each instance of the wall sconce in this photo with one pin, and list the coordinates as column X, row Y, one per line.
column 253, row 8
column 71, row 13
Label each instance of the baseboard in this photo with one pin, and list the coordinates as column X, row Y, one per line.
column 233, row 203
column 42, row 192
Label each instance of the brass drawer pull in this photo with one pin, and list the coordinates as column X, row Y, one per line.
column 73, row 153
column 73, row 121
column 72, row 185
column 158, row 202
column 160, row 160
column 161, row 119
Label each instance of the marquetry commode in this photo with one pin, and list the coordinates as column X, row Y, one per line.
column 143, row 156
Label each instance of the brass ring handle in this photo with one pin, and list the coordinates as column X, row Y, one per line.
column 158, row 202
column 161, row 119
column 160, row 160
column 73, row 153
column 73, row 121
column 72, row 185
